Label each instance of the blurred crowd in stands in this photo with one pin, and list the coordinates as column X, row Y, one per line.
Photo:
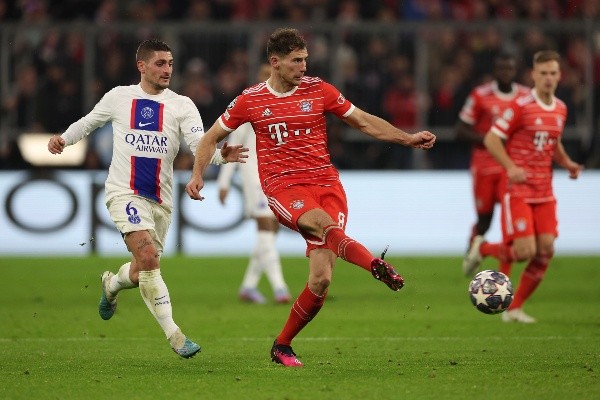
column 393, row 58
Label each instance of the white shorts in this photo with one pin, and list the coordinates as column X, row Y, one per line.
column 135, row 213
column 255, row 201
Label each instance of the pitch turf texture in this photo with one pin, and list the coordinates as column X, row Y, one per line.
column 425, row 342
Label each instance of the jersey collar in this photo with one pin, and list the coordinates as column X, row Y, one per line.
column 544, row 106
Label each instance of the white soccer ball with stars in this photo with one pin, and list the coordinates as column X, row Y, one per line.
column 491, row 292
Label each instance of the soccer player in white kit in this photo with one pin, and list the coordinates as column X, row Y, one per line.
column 148, row 121
column 265, row 257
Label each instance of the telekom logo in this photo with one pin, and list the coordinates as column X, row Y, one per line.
column 540, row 140
column 279, row 132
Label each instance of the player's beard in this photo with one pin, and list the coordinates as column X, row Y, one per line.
column 162, row 84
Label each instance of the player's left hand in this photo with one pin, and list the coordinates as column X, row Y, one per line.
column 235, row 153
column 193, row 188
column 56, row 144
column 423, row 140
column 574, row 169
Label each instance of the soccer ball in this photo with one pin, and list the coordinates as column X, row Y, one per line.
column 491, row 292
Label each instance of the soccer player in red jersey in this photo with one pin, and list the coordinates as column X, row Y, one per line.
column 532, row 127
column 485, row 103
column 303, row 188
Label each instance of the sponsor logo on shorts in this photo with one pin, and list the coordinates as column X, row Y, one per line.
column 297, row 204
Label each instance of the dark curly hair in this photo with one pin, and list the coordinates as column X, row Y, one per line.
column 283, row 41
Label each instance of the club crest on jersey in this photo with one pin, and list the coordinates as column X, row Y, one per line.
column 559, row 122
column 297, row 204
column 146, row 115
column 341, row 99
column 305, row 105
column 520, row 225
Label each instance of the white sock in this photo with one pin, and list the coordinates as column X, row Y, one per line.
column 121, row 280
column 269, row 259
column 253, row 270
column 156, row 296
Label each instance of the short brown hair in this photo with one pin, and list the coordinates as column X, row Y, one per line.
column 285, row 40
column 147, row 47
column 545, row 56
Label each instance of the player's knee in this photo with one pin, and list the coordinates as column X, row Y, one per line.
column 546, row 252
column 148, row 259
column 321, row 286
column 525, row 253
column 319, row 283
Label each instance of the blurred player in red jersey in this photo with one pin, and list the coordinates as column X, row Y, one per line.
column 532, row 127
column 265, row 256
column 303, row 188
column 485, row 103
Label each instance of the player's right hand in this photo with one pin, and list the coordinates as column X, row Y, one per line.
column 516, row 175
column 56, row 144
column 193, row 188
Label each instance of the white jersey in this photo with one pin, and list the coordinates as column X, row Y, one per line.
column 255, row 202
column 147, row 132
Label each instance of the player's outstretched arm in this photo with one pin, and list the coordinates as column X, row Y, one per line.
column 204, row 153
column 379, row 128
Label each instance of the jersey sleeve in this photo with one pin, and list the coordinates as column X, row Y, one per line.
column 335, row 102
column 191, row 126
column 508, row 121
column 470, row 110
column 235, row 114
column 99, row 116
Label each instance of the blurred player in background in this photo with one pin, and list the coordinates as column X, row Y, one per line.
column 287, row 113
column 148, row 121
column 265, row 257
column 485, row 103
column 532, row 127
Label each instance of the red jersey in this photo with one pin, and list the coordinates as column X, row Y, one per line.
column 532, row 130
column 291, row 140
column 484, row 104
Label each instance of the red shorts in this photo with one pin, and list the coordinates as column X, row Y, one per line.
column 521, row 219
column 488, row 189
column 290, row 203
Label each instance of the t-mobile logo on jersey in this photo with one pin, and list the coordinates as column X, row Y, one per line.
column 279, row 131
column 540, row 139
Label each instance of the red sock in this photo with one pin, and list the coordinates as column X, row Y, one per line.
column 347, row 248
column 304, row 309
column 503, row 252
column 505, row 268
column 530, row 279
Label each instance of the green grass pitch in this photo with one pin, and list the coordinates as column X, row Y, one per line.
column 425, row 342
